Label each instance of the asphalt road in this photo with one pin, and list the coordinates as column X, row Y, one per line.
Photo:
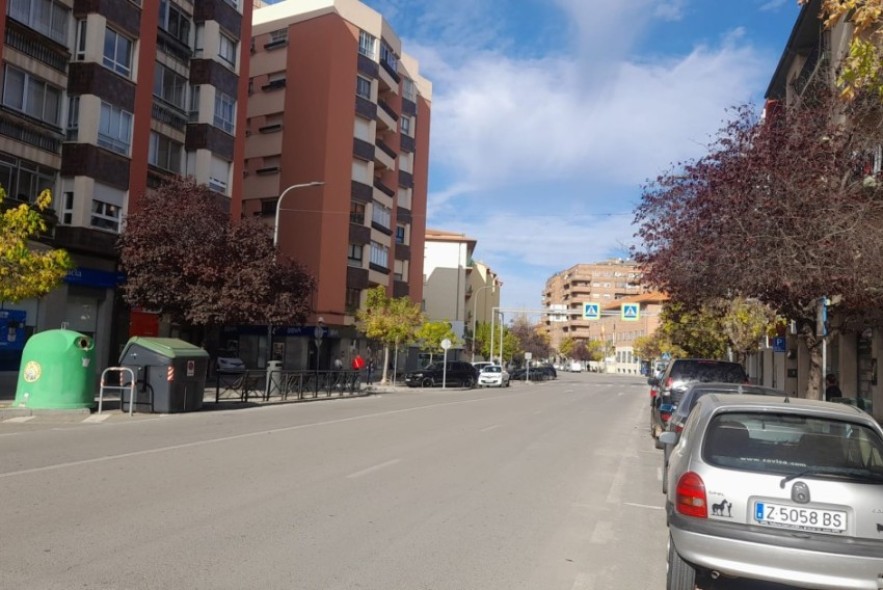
column 537, row 487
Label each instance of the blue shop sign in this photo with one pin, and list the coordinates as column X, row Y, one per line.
column 92, row 277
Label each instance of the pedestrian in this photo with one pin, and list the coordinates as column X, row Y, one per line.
column 338, row 363
column 832, row 390
column 358, row 363
column 370, row 369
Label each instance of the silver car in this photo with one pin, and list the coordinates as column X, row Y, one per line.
column 778, row 490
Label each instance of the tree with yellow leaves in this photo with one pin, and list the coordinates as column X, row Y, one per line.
column 861, row 67
column 27, row 272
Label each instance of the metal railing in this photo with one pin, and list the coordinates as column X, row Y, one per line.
column 285, row 385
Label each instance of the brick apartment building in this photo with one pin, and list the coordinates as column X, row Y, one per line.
column 336, row 157
column 101, row 101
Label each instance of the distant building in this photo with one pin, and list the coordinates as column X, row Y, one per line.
column 601, row 283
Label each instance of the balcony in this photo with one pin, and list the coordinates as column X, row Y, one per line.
column 386, row 117
column 384, row 157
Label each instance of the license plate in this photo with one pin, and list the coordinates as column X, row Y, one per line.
column 808, row 519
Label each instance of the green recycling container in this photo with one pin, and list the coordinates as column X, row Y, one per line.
column 57, row 371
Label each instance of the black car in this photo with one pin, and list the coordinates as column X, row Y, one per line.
column 541, row 373
column 457, row 373
column 680, row 374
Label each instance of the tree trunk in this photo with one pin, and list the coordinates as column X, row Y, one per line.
column 385, row 363
column 814, row 346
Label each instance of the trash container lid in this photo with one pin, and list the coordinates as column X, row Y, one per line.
column 168, row 347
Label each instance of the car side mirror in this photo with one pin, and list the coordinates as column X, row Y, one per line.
column 668, row 438
column 653, row 381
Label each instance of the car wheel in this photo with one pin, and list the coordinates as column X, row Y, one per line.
column 468, row 382
column 681, row 575
column 666, row 451
column 427, row 382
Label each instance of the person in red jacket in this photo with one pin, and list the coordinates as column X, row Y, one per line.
column 358, row 363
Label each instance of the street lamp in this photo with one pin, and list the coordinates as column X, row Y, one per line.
column 474, row 315
column 279, row 205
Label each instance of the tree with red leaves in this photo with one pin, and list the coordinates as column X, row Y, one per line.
column 787, row 210
column 184, row 257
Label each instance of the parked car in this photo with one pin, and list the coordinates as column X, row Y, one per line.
column 480, row 365
column 493, row 376
column 678, row 375
column 229, row 364
column 679, row 413
column 457, row 373
column 785, row 491
column 541, row 373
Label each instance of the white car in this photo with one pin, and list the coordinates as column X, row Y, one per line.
column 493, row 376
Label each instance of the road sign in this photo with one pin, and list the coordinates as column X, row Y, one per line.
column 591, row 311
column 630, row 312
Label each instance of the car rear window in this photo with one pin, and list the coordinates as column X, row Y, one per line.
column 491, row 369
column 790, row 444
column 708, row 371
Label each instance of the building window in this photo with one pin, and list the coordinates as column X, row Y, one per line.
column 117, row 53
column 219, row 175
column 194, row 103
column 46, row 16
column 105, row 216
column 353, row 299
column 406, row 125
column 164, row 153
column 367, row 44
column 357, row 213
column 174, row 22
column 379, row 255
column 24, row 180
column 115, row 129
column 31, row 96
column 277, row 37
column 409, row 89
column 363, row 87
column 169, row 86
column 356, row 251
column 400, row 234
column 381, row 215
column 67, row 211
column 227, row 50
column 80, row 51
column 73, row 118
column 225, row 112
column 388, row 56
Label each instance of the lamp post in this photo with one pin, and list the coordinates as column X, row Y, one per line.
column 474, row 315
column 279, row 205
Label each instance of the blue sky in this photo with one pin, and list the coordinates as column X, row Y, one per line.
column 549, row 115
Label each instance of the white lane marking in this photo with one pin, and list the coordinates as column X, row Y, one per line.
column 372, row 469
column 489, row 428
column 643, row 506
column 97, row 418
column 583, row 582
column 659, row 474
column 20, row 419
column 222, row 439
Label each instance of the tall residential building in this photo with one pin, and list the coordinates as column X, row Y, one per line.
column 335, row 104
column 482, row 296
column 448, row 269
column 101, row 101
column 600, row 282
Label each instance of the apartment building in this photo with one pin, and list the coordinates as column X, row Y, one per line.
column 601, row 282
column 618, row 331
column 448, row 269
column 483, row 291
column 337, row 158
column 102, row 101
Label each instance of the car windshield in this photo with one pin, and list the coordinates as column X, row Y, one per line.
column 492, row 369
column 794, row 446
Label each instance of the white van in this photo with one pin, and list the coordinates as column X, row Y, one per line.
column 576, row 367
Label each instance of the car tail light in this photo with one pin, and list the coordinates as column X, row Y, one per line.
column 690, row 498
column 666, row 416
column 679, row 428
column 653, row 392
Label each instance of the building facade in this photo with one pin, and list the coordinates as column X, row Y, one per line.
column 337, row 158
column 101, row 101
column 566, row 292
column 448, row 266
column 483, row 291
column 811, row 57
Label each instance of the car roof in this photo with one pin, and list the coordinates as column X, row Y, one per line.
column 713, row 403
column 724, row 387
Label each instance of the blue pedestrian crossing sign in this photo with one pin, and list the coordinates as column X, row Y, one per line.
column 630, row 312
column 591, row 311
